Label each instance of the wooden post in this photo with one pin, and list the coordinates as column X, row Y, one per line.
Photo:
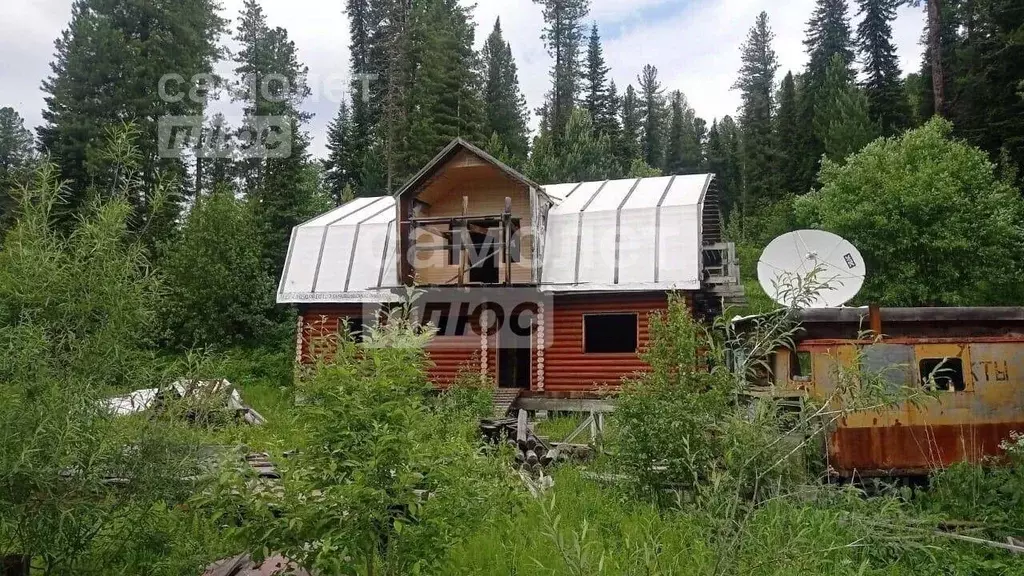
column 506, row 227
column 463, row 227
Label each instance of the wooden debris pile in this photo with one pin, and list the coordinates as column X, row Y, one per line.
column 532, row 452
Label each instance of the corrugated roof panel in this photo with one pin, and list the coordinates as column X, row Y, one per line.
column 686, row 190
column 636, row 245
column 648, row 193
column 612, row 194
column 678, row 247
column 369, row 256
column 339, row 214
column 578, row 198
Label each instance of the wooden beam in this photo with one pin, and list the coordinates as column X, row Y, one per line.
column 565, row 404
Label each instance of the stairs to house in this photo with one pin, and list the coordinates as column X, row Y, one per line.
column 503, row 400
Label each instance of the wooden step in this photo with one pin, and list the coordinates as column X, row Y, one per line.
column 504, row 398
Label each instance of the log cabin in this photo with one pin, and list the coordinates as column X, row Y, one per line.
column 592, row 259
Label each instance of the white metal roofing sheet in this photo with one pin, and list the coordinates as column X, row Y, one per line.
column 631, row 234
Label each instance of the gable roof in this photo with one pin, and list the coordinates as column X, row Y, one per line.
column 450, row 151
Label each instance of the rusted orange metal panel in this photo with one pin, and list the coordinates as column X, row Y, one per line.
column 965, row 424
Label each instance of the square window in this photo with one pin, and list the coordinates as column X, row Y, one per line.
column 800, row 366
column 610, row 333
column 943, row 374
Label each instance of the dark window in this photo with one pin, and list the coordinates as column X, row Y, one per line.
column 946, row 373
column 355, row 328
column 800, row 366
column 483, row 257
column 603, row 333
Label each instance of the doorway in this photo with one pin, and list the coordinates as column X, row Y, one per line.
column 514, row 368
column 483, row 258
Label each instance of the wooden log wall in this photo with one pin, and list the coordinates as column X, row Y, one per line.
column 567, row 368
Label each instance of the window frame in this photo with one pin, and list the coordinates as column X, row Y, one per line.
column 583, row 336
column 947, row 363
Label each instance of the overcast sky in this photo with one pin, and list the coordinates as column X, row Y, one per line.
column 694, row 44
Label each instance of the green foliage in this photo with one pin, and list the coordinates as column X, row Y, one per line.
column 787, row 138
column 652, row 110
column 757, row 83
column 601, row 100
column 628, row 148
column 16, row 156
column 75, row 313
column 504, row 103
column 218, row 292
column 385, row 484
column 889, row 107
column 563, row 37
column 935, row 225
column 584, row 155
column 640, row 169
column 841, row 119
column 107, row 68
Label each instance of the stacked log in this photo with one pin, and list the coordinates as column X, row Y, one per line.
column 532, row 453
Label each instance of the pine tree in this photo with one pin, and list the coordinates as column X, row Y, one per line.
column 108, row 66
column 16, row 154
column 563, row 36
column 339, row 167
column 504, row 103
column 445, row 101
column 828, row 34
column 363, row 94
column 629, row 147
column 674, row 160
column 988, row 104
column 788, row 164
column 757, row 82
column 652, row 112
column 277, row 180
column 601, row 99
column 585, row 155
column 884, row 89
column 841, row 116
column 723, row 161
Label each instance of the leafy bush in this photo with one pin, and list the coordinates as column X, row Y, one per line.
column 75, row 316
column 384, row 485
column 218, row 290
column 933, row 221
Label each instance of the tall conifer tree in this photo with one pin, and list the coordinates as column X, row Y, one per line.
column 788, row 167
column 757, row 84
column 652, row 103
column 504, row 103
column 107, row 70
column 563, row 36
column 882, row 84
column 629, row 148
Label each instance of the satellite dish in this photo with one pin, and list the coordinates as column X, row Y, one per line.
column 811, row 269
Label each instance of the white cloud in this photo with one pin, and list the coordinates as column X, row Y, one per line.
column 695, row 45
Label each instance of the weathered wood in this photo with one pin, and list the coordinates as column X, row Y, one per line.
column 1011, row 547
column 565, row 404
column 15, row 565
column 531, row 457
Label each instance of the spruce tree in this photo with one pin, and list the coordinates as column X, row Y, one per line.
column 444, row 96
column 828, row 34
column 339, row 167
column 629, row 147
column 363, row 94
column 600, row 99
column 107, row 70
column 674, row 159
column 788, row 163
column 16, row 155
column 842, row 122
column 988, row 104
column 563, row 36
column 585, row 155
column 723, row 161
column 652, row 103
column 757, row 83
column 504, row 103
column 280, row 182
column 884, row 89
